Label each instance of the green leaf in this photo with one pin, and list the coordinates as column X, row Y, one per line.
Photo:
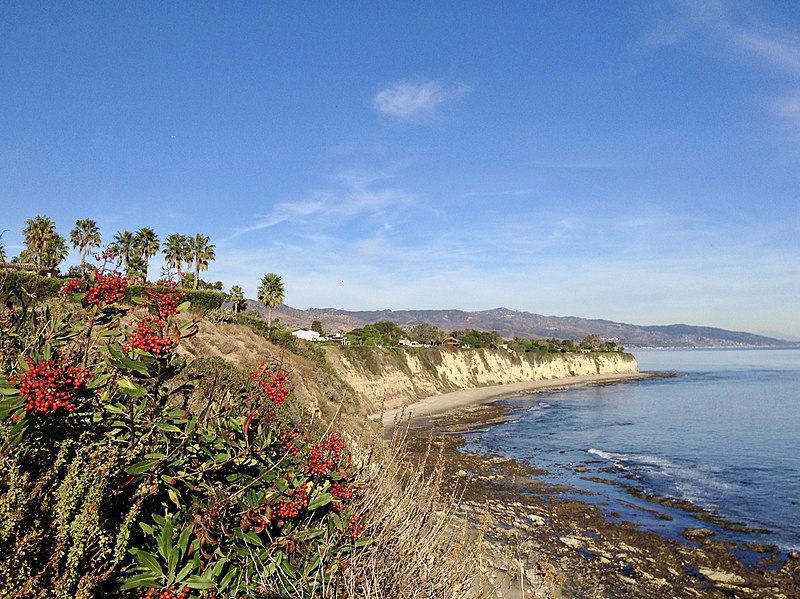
column 183, row 539
column 139, row 580
column 130, row 388
column 109, row 333
column 308, row 534
column 115, row 408
column 172, row 564
column 149, row 561
column 320, row 500
column 165, row 540
column 170, row 428
column 123, row 362
column 198, row 582
column 141, row 467
column 184, row 573
column 183, row 306
column 232, row 572
column 253, row 538
column 98, row 381
column 10, row 405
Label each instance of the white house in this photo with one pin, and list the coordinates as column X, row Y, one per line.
column 308, row 335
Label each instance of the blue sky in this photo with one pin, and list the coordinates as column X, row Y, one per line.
column 630, row 161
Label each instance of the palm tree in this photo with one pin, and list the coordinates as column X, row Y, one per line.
column 200, row 254
column 175, row 249
column 270, row 292
column 147, row 243
column 45, row 247
column 85, row 237
column 237, row 298
column 124, row 247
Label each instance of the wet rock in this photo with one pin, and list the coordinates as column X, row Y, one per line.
column 572, row 542
column 694, row 534
column 721, row 576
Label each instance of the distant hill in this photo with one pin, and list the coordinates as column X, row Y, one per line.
column 511, row 323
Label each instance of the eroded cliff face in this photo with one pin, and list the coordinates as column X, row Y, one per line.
column 390, row 378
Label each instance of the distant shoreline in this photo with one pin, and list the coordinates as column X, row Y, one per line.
column 464, row 398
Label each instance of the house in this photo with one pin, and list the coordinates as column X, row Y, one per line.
column 339, row 337
column 308, row 335
column 451, row 342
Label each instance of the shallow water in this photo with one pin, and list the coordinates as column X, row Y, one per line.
column 724, row 435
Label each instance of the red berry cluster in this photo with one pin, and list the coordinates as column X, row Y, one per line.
column 299, row 502
column 341, row 492
column 47, row 385
column 287, row 440
column 107, row 288
column 148, row 336
column 164, row 303
column 354, row 529
column 169, row 593
column 272, row 383
column 70, row 287
column 324, row 455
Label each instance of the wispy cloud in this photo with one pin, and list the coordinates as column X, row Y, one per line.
column 413, row 100
column 740, row 35
column 500, row 193
column 352, row 193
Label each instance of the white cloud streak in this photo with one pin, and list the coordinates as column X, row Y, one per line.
column 412, row 101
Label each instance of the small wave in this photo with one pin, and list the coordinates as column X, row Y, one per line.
column 700, row 485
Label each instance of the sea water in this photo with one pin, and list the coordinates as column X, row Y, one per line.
column 722, row 434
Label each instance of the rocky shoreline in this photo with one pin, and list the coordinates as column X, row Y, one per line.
column 547, row 542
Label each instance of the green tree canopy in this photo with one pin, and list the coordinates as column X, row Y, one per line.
column 124, row 248
column 201, row 252
column 147, row 245
column 176, row 251
column 85, row 237
column 270, row 293
column 44, row 246
column 427, row 334
column 237, row 299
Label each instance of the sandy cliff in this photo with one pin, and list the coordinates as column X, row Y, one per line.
column 385, row 379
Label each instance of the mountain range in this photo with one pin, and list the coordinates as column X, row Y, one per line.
column 512, row 323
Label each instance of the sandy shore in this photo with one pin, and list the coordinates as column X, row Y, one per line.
column 439, row 404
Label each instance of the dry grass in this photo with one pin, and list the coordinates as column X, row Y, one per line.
column 420, row 547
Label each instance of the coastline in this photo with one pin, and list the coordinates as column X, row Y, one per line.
column 466, row 398
column 565, row 545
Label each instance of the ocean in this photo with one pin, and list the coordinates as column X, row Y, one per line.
column 721, row 436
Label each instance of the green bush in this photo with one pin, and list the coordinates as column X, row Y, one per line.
column 202, row 300
column 125, row 473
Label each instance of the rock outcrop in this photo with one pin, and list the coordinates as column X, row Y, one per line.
column 390, row 378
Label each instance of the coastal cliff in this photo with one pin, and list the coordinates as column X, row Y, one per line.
column 391, row 378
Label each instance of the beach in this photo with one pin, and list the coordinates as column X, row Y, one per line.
column 553, row 538
column 464, row 398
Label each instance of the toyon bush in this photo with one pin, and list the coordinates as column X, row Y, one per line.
column 118, row 479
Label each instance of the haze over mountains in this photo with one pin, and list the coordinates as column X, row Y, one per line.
column 511, row 323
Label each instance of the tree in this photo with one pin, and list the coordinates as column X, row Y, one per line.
column 270, row 292
column 317, row 326
column 147, row 245
column 200, row 254
column 85, row 237
column 426, row 334
column 176, row 250
column 124, row 247
column 237, row 299
column 45, row 248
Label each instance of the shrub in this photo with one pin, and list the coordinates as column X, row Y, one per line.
column 220, row 315
column 113, row 482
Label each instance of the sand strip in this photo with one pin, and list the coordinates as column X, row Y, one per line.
column 464, row 398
